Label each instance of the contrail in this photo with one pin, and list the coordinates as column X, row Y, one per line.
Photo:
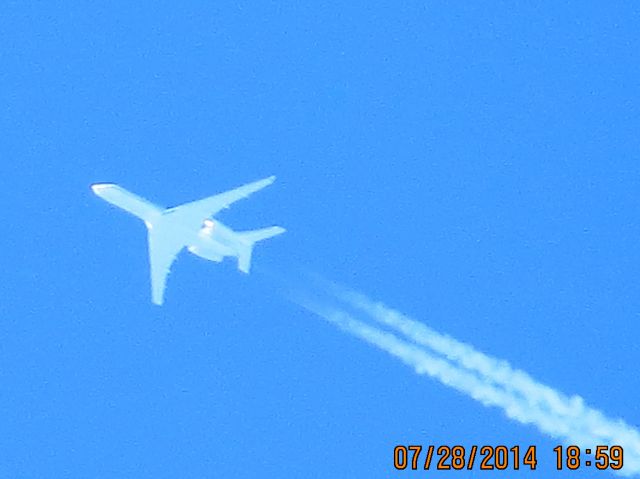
column 488, row 380
column 493, row 370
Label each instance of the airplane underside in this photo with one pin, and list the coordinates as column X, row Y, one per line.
column 208, row 256
column 189, row 225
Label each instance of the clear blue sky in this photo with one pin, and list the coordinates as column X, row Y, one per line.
column 475, row 166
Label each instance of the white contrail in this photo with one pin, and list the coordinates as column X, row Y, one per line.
column 494, row 370
column 488, row 380
column 585, row 421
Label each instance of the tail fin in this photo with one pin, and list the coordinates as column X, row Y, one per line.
column 249, row 238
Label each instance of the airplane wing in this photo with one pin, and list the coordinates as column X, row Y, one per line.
column 196, row 211
column 118, row 196
column 164, row 246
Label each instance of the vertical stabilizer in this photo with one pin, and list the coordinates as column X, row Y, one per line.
column 248, row 239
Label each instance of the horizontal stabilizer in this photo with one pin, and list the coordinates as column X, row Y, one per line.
column 249, row 238
column 262, row 234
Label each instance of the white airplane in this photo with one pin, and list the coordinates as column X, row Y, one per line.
column 191, row 225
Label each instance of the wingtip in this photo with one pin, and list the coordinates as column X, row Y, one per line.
column 157, row 299
column 98, row 187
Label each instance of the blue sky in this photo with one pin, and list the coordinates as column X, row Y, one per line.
column 476, row 167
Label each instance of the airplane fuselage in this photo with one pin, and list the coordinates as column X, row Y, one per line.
column 189, row 225
column 214, row 241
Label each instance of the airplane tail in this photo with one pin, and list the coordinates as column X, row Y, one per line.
column 249, row 238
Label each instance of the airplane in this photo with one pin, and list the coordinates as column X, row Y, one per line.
column 192, row 225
